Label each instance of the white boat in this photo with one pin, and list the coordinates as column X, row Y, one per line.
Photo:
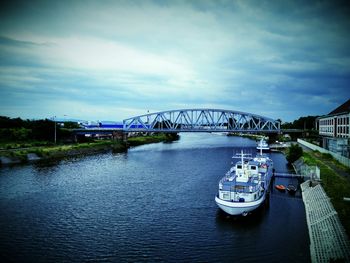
column 244, row 187
column 263, row 145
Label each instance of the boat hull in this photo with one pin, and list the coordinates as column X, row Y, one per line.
column 238, row 208
column 291, row 189
column 280, row 188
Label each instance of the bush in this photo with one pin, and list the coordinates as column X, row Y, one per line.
column 294, row 153
column 327, row 156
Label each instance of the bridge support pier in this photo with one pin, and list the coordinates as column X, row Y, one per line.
column 125, row 136
column 120, row 135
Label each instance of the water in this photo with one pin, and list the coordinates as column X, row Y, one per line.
column 155, row 203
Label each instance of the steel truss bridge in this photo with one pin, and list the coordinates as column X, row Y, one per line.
column 201, row 120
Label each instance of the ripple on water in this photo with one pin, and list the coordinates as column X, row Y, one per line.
column 155, row 203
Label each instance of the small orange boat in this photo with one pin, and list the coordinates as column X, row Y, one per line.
column 280, row 187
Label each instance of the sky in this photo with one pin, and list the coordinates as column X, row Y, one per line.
column 111, row 60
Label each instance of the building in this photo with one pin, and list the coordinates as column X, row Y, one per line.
column 334, row 128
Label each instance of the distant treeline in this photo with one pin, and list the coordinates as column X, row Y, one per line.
column 16, row 129
column 307, row 123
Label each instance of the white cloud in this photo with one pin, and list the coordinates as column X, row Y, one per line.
column 150, row 55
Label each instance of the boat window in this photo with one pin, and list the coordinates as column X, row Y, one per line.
column 239, row 166
column 239, row 188
column 253, row 167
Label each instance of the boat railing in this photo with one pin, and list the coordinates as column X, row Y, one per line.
column 249, row 189
column 242, row 189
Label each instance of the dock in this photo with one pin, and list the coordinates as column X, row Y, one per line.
column 328, row 239
column 279, row 146
column 290, row 175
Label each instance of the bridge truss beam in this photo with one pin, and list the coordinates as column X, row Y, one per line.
column 200, row 120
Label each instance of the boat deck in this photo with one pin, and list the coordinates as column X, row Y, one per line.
column 328, row 239
column 243, row 187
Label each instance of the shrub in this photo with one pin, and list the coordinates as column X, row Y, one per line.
column 294, row 153
column 327, row 156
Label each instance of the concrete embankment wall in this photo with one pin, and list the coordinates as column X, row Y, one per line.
column 328, row 239
column 341, row 159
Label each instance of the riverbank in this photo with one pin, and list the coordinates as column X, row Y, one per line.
column 335, row 181
column 23, row 154
column 256, row 137
column 328, row 239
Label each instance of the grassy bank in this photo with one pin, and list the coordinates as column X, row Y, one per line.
column 20, row 155
column 256, row 137
column 27, row 144
column 19, row 152
column 334, row 183
column 160, row 137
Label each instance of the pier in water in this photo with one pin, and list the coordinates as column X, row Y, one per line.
column 154, row 203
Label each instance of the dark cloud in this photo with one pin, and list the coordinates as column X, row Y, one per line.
column 284, row 59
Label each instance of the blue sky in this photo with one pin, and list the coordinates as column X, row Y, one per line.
column 110, row 60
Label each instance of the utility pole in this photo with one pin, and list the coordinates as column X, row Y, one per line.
column 54, row 121
column 55, row 131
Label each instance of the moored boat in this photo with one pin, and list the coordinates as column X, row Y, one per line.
column 263, row 145
column 291, row 189
column 280, row 187
column 244, row 187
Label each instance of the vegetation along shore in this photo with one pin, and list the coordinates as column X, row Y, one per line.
column 16, row 153
column 23, row 141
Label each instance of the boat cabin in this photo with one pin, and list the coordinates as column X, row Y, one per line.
column 246, row 170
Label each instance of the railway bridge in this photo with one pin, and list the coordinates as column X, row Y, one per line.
column 200, row 120
column 187, row 120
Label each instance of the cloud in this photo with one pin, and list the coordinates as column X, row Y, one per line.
column 113, row 58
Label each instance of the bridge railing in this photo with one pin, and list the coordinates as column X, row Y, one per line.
column 201, row 120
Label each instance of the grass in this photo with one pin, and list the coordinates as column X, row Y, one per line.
column 19, row 151
column 134, row 141
column 8, row 145
column 52, row 151
column 159, row 137
column 247, row 135
column 335, row 185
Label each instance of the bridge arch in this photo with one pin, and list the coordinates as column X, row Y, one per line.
column 200, row 120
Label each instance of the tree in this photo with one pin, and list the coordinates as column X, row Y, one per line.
column 294, row 153
column 302, row 123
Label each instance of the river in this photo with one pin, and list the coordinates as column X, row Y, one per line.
column 154, row 203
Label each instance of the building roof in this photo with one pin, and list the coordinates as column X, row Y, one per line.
column 345, row 107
